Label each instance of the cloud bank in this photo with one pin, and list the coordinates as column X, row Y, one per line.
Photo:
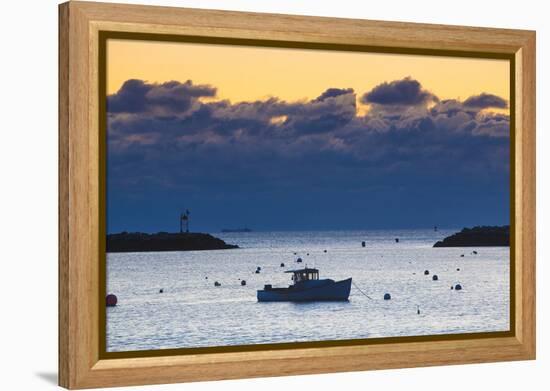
column 176, row 137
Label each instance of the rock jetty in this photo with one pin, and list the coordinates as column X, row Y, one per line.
column 164, row 241
column 484, row 236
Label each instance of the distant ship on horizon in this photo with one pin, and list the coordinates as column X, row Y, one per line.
column 231, row 230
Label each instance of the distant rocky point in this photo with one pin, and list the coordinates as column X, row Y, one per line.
column 164, row 241
column 484, row 236
column 227, row 230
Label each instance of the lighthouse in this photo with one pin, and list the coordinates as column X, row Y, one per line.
column 184, row 221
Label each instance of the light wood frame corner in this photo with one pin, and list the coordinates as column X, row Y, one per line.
column 80, row 24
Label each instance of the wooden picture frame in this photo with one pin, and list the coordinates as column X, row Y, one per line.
column 81, row 364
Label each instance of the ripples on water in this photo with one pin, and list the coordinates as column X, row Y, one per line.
column 193, row 313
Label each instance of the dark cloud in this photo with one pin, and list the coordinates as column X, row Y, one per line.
column 137, row 96
column 484, row 101
column 399, row 92
column 130, row 98
column 457, row 117
column 333, row 92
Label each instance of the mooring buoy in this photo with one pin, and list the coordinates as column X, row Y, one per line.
column 458, row 287
column 363, row 244
column 111, row 300
column 299, row 260
column 282, row 264
column 435, row 277
column 243, row 283
column 426, row 272
column 216, row 283
column 396, row 240
column 161, row 290
column 387, row 296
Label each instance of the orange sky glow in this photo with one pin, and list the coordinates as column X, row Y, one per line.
column 257, row 73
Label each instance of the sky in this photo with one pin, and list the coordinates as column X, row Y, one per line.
column 295, row 139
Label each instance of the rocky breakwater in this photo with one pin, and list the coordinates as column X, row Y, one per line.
column 164, row 241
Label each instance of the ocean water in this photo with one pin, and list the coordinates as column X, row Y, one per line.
column 193, row 313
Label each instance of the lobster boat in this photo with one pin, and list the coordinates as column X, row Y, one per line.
column 306, row 286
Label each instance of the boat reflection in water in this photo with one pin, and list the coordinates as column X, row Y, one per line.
column 307, row 287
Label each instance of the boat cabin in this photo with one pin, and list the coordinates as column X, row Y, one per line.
column 306, row 274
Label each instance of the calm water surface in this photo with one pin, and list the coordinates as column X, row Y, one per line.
column 193, row 313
